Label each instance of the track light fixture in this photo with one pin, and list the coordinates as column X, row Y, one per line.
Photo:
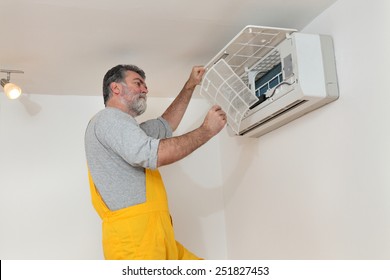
column 11, row 90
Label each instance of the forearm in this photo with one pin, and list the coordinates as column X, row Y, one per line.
column 175, row 112
column 176, row 148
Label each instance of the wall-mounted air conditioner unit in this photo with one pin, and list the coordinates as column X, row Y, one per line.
column 266, row 77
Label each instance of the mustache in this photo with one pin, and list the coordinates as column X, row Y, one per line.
column 142, row 95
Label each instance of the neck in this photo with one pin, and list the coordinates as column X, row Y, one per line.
column 119, row 105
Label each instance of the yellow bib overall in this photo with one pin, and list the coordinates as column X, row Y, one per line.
column 143, row 231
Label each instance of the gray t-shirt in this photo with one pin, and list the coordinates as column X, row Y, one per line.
column 118, row 149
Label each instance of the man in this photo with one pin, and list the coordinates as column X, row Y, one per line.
column 123, row 156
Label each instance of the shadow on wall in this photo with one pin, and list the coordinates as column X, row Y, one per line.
column 235, row 162
column 191, row 203
column 32, row 108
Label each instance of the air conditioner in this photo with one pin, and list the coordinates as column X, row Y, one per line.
column 266, row 77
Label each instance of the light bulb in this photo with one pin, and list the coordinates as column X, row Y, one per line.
column 12, row 91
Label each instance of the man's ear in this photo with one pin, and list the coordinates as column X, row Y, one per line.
column 115, row 88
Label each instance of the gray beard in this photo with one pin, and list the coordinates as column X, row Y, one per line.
column 139, row 107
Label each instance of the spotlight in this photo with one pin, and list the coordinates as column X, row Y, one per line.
column 11, row 90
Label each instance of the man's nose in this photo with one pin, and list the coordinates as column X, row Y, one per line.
column 145, row 89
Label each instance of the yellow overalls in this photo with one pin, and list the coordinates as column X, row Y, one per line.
column 143, row 231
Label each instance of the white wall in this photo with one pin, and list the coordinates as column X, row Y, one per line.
column 45, row 207
column 319, row 188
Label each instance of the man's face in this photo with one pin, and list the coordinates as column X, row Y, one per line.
column 134, row 93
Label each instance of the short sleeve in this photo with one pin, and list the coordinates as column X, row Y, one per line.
column 121, row 133
column 157, row 128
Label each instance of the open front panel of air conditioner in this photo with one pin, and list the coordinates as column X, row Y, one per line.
column 265, row 77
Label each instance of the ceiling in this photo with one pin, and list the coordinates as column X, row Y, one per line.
column 65, row 47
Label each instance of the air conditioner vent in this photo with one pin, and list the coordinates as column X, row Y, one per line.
column 275, row 115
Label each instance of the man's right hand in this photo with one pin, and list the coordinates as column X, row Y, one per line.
column 215, row 120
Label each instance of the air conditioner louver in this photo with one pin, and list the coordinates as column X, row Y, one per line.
column 274, row 116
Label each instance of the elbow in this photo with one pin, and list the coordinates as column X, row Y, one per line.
column 159, row 163
column 162, row 161
column 172, row 125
